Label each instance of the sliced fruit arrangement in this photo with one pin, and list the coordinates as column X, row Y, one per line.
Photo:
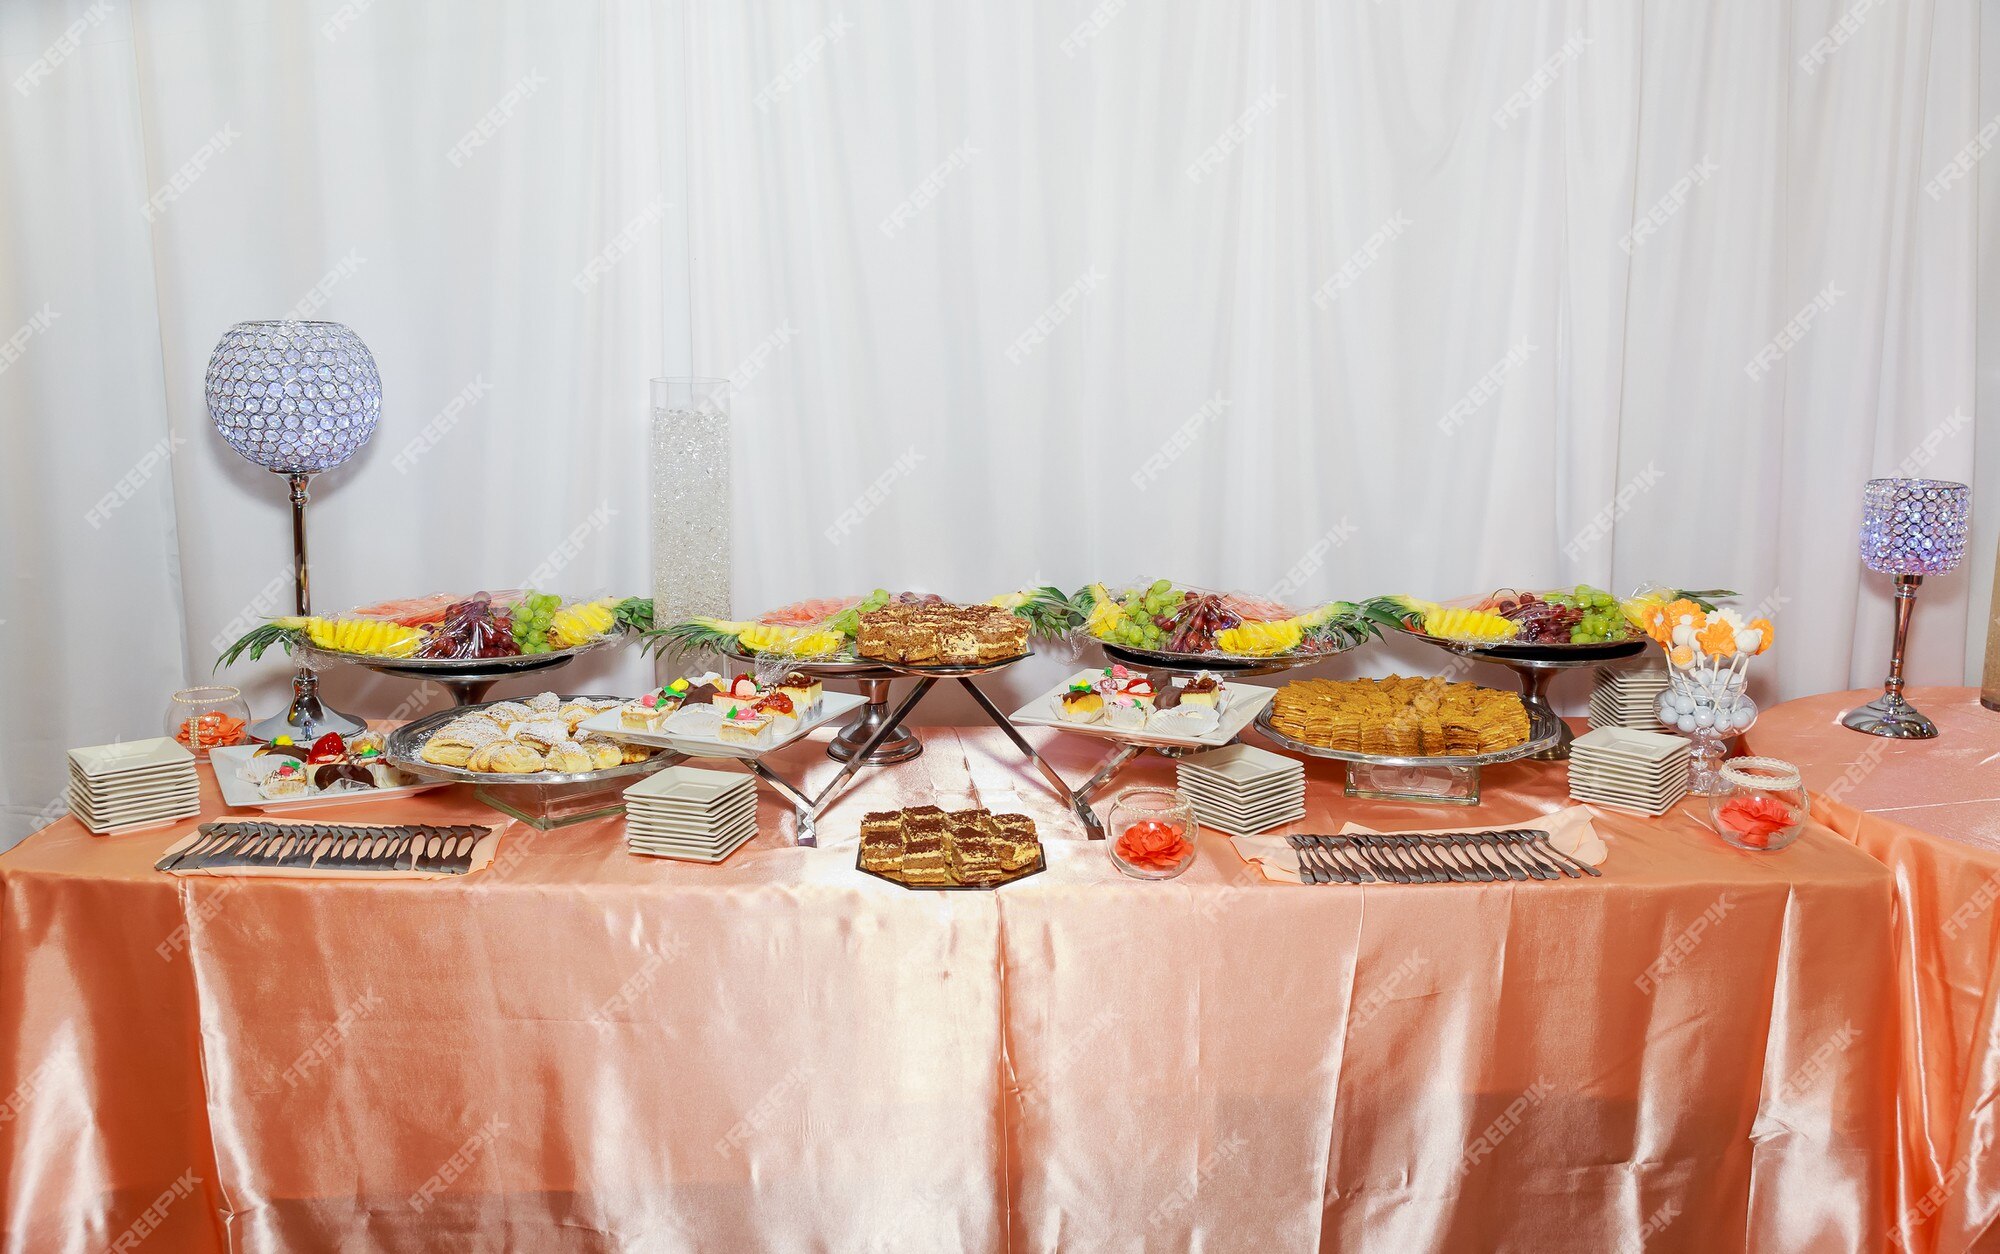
column 1582, row 615
column 825, row 628
column 484, row 625
column 1166, row 618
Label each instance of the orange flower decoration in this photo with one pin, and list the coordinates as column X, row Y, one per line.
column 1763, row 625
column 1656, row 623
column 1756, row 819
column 1684, row 608
column 1718, row 639
column 1153, row 845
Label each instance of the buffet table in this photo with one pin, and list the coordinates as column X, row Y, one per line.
column 581, row 1049
column 1929, row 810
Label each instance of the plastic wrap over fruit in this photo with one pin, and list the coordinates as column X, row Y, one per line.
column 1166, row 617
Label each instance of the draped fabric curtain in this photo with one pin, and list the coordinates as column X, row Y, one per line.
column 1319, row 300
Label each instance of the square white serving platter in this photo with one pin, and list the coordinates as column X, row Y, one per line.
column 832, row 705
column 131, row 755
column 1623, row 742
column 1244, row 700
column 649, row 848
column 1242, row 766
column 240, row 794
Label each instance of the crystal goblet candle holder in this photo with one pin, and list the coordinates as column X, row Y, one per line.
column 1909, row 528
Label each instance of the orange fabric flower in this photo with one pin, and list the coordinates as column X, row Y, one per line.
column 1756, row 818
column 1153, row 845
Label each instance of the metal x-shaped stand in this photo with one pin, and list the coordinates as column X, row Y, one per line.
column 808, row 808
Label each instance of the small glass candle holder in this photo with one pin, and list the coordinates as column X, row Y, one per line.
column 1761, row 804
column 207, row 717
column 1151, row 833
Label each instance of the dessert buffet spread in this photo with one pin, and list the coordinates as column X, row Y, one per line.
column 453, row 628
column 1398, row 717
column 926, row 847
column 332, row 764
column 538, row 736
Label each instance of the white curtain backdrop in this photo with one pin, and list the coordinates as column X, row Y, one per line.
column 1328, row 300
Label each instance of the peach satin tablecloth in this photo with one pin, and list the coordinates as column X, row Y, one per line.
column 584, row 1050
column 1930, row 811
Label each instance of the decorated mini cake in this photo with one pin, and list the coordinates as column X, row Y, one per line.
column 804, row 691
column 742, row 693
column 1123, row 711
column 1081, row 703
column 651, row 710
column 743, row 726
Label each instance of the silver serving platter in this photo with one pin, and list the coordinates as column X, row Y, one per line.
column 1515, row 651
column 1544, row 730
column 835, row 667
column 406, row 742
column 1161, row 660
column 870, row 668
column 467, row 666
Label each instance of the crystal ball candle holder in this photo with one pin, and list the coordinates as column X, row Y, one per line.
column 294, row 397
column 1914, row 526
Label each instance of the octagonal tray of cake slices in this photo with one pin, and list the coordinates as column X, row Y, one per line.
column 697, row 729
column 1090, row 702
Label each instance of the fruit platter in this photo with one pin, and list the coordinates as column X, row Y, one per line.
column 1536, row 634
column 531, row 758
column 463, row 642
column 1167, row 626
column 1564, row 623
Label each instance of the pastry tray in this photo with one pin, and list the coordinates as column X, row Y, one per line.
column 1544, row 730
column 1245, row 700
column 1040, row 864
column 407, row 741
column 1187, row 663
column 496, row 666
column 833, row 705
column 1510, row 650
column 240, row 794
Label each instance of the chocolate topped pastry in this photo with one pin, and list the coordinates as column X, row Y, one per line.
column 328, row 774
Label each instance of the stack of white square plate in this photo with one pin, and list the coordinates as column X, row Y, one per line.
column 1628, row 697
column 121, row 788
column 692, row 814
column 1242, row 790
column 1633, row 770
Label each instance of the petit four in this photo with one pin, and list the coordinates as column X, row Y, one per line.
column 288, row 780
column 743, row 726
column 1123, row 711
column 1081, row 703
column 805, row 692
column 923, row 846
column 741, row 693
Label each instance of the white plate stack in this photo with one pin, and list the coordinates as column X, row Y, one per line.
column 1628, row 697
column 691, row 814
column 1241, row 790
column 114, row 789
column 1631, row 770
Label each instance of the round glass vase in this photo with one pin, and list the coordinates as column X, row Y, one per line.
column 207, row 717
column 1761, row 804
column 1150, row 834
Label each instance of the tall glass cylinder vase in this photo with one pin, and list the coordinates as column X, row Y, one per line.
column 690, row 476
